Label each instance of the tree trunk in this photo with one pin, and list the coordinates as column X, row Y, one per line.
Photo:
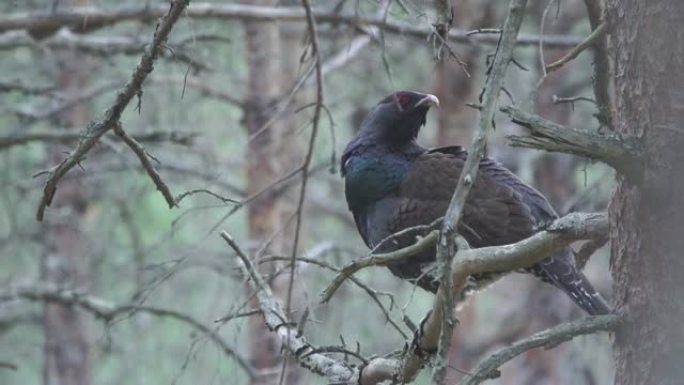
column 647, row 232
column 270, row 156
column 66, row 264
column 452, row 85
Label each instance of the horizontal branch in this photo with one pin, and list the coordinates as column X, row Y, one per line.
column 549, row 338
column 621, row 153
column 108, row 311
column 103, row 46
column 506, row 258
column 84, row 19
column 71, row 135
column 466, row 262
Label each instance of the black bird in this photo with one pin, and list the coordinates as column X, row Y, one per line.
column 392, row 183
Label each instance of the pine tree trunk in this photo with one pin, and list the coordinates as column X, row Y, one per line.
column 647, row 234
column 269, row 158
column 66, row 264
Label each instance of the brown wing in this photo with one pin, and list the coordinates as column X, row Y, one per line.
column 493, row 214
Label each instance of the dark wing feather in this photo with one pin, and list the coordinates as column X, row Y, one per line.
column 558, row 269
column 500, row 209
column 493, row 214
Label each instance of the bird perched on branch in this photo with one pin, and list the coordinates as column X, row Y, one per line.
column 392, row 183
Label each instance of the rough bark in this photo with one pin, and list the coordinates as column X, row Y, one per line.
column 67, row 351
column 646, row 236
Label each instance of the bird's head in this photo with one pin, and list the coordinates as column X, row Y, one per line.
column 398, row 117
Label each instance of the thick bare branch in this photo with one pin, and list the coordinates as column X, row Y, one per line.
column 623, row 154
column 82, row 19
column 549, row 338
column 113, row 114
column 512, row 257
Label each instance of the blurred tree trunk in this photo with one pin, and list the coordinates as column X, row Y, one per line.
column 647, row 232
column 68, row 347
column 452, row 85
column 552, row 175
column 269, row 157
column 263, row 51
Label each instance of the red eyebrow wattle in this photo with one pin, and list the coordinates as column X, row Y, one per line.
column 401, row 97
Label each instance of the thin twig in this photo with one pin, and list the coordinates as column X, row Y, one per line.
column 589, row 41
column 378, row 260
column 109, row 311
column 146, row 164
column 587, row 250
column 312, row 141
column 371, row 292
column 276, row 320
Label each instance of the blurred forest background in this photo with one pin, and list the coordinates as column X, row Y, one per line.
column 228, row 110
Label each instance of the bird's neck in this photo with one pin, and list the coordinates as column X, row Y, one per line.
column 374, row 170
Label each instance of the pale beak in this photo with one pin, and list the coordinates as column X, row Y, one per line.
column 429, row 100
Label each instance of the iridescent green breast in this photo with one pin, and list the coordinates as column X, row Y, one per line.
column 369, row 177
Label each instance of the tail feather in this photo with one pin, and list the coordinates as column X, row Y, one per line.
column 560, row 271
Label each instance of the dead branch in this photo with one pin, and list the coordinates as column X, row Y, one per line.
column 39, row 111
column 204, row 87
column 466, row 262
column 549, row 338
column 85, row 19
column 588, row 249
column 316, row 56
column 108, row 311
column 441, row 316
column 621, row 153
column 146, row 164
column 512, row 257
column 588, row 42
column 601, row 78
column 113, row 114
column 103, row 46
column 276, row 320
column 378, row 260
column 16, row 86
column 72, row 135
column 370, row 291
